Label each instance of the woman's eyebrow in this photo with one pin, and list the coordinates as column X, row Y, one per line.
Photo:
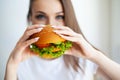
column 60, row 12
column 40, row 12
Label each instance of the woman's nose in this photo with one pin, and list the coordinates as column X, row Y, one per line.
column 51, row 21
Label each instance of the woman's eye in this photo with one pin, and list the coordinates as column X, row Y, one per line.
column 61, row 17
column 40, row 17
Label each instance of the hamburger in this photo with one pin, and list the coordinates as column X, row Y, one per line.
column 50, row 45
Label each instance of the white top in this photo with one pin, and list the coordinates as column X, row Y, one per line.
column 36, row 68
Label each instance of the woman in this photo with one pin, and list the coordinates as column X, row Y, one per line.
column 81, row 62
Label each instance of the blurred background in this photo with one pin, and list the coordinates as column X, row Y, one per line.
column 98, row 19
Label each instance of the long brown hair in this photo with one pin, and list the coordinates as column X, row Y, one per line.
column 71, row 21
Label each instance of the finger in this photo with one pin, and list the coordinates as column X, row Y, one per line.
column 29, row 54
column 62, row 28
column 65, row 32
column 31, row 41
column 70, row 38
column 35, row 26
column 27, row 34
column 33, row 53
column 58, row 27
column 29, row 31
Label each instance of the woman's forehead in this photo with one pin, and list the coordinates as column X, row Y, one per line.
column 47, row 5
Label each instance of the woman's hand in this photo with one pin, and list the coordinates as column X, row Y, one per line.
column 81, row 48
column 21, row 51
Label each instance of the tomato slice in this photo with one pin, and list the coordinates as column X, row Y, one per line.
column 43, row 45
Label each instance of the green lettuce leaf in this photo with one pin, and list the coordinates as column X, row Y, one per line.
column 63, row 46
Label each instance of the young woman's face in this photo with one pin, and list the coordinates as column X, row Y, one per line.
column 47, row 12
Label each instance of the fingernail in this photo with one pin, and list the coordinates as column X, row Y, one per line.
column 39, row 29
column 31, row 46
column 37, row 38
column 55, row 31
column 53, row 26
column 42, row 25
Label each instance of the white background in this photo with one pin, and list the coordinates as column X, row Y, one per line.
column 99, row 21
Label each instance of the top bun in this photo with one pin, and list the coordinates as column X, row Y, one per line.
column 47, row 36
